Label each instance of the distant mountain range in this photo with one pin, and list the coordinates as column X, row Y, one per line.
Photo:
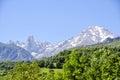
column 39, row 49
column 9, row 52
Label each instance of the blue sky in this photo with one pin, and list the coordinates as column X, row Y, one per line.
column 55, row 20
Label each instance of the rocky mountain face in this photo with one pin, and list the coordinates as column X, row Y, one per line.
column 92, row 35
column 9, row 52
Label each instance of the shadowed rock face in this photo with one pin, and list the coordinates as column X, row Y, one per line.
column 111, row 39
column 10, row 52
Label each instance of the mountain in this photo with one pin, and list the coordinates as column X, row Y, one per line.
column 111, row 39
column 91, row 35
column 35, row 47
column 9, row 52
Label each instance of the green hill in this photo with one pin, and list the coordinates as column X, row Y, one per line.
column 58, row 60
column 95, row 62
column 108, row 44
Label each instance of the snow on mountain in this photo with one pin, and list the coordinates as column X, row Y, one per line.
column 35, row 47
column 92, row 35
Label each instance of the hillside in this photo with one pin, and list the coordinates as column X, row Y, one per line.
column 77, row 64
column 10, row 52
column 89, row 36
column 58, row 60
column 100, row 61
column 107, row 44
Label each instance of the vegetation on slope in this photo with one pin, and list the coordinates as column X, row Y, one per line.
column 107, row 44
column 88, row 63
column 81, row 64
column 93, row 64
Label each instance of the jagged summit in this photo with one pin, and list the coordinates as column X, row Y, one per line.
column 98, row 33
column 91, row 35
column 30, row 38
column 96, row 27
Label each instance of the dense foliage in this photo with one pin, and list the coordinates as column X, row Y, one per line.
column 77, row 64
column 93, row 64
column 5, row 67
column 56, row 61
column 24, row 71
column 31, row 71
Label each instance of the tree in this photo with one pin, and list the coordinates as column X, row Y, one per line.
column 93, row 64
column 24, row 71
column 76, row 66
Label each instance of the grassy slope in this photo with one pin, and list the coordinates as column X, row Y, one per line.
column 108, row 44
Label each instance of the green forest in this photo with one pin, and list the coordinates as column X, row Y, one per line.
column 88, row 63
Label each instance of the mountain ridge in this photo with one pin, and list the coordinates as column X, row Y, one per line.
column 10, row 52
column 89, row 36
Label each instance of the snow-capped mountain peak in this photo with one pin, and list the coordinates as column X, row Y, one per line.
column 32, row 45
column 100, row 32
column 91, row 35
